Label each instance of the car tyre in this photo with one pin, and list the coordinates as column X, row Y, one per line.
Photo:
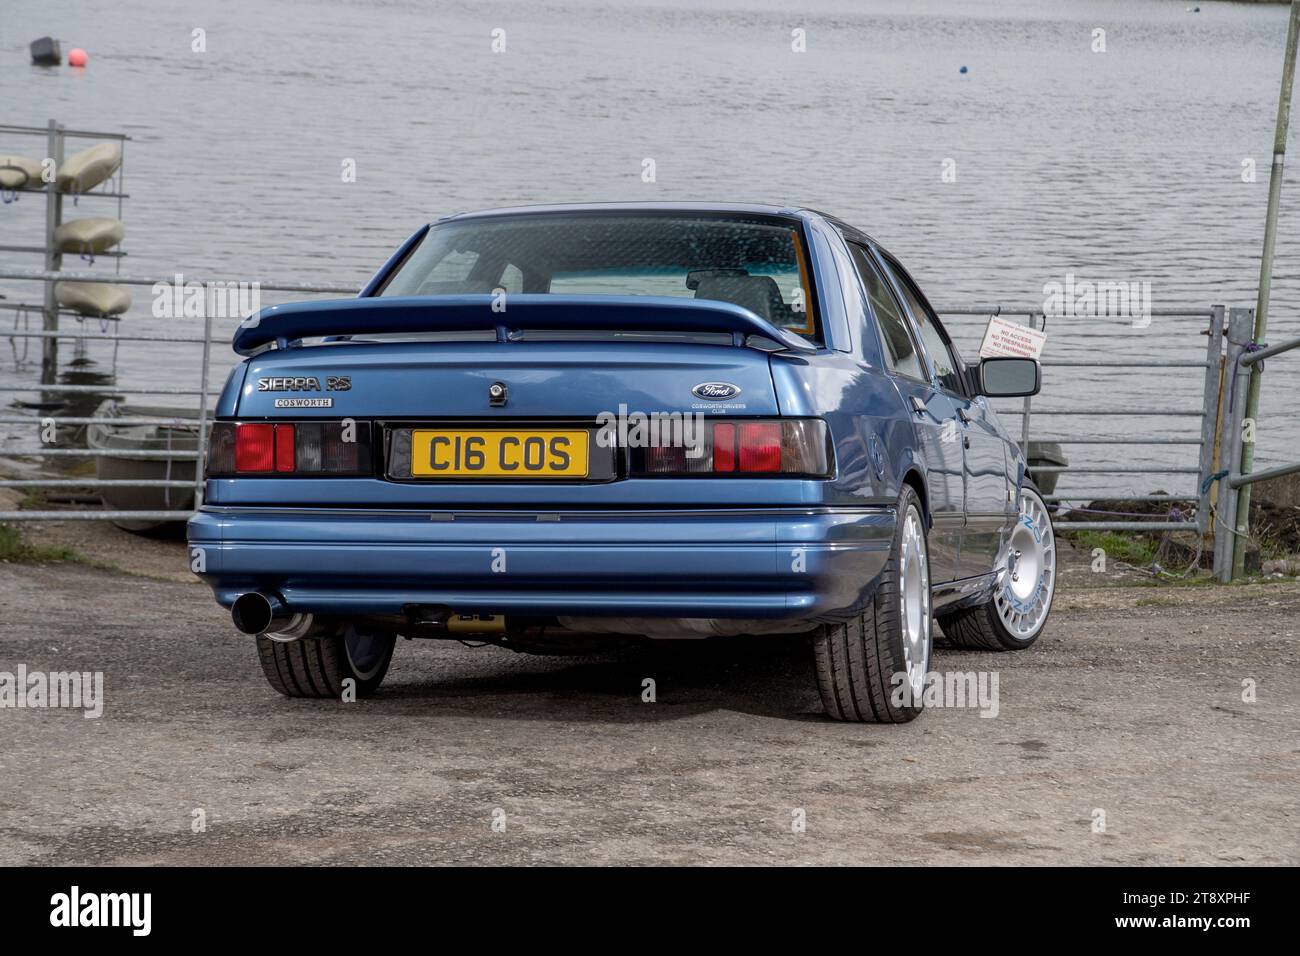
column 1011, row 621
column 318, row 666
column 864, row 664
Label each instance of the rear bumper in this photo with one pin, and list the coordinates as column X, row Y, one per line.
column 778, row 564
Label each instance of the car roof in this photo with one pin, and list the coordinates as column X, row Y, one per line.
column 762, row 209
column 765, row 209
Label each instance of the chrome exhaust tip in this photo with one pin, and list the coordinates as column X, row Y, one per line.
column 267, row 615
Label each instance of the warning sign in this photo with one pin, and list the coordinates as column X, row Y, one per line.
column 1004, row 337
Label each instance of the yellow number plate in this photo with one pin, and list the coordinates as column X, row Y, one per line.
column 499, row 454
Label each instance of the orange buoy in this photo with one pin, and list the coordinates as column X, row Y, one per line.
column 76, row 57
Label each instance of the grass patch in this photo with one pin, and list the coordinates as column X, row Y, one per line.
column 1270, row 547
column 1134, row 549
column 13, row 548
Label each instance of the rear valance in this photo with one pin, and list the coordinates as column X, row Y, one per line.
column 513, row 315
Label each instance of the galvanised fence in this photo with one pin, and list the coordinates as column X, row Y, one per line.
column 1212, row 466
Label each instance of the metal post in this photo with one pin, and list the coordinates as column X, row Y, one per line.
column 1232, row 404
column 53, row 258
column 1210, row 423
column 1266, row 277
column 1024, row 419
column 203, row 408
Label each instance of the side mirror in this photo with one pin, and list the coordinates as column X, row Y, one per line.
column 1010, row 377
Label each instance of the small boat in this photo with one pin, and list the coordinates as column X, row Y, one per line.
column 19, row 172
column 93, row 299
column 84, row 171
column 89, row 235
column 46, row 51
column 133, row 435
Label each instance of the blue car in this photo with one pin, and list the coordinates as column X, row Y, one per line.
column 550, row 425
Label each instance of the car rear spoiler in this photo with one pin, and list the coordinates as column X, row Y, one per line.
column 510, row 316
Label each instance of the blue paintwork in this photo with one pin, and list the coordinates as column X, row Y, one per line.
column 689, row 564
column 680, row 547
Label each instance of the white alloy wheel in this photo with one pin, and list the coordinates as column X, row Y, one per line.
column 914, row 602
column 1028, row 568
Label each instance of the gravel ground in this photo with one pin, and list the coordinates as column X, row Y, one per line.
column 1131, row 704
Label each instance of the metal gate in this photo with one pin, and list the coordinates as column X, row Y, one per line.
column 1212, row 433
column 1201, row 421
column 204, row 393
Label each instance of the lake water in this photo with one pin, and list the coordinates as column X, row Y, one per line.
column 1123, row 165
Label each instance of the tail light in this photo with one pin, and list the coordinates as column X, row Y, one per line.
column 254, row 447
column 760, row 447
column 744, row 448
column 289, row 448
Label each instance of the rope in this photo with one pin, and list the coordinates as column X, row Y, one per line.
column 1211, row 479
column 20, row 361
column 167, row 473
column 1122, row 514
column 1166, row 540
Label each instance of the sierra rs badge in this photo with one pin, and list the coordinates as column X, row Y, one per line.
column 304, row 383
column 307, row 383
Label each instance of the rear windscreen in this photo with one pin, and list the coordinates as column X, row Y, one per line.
column 758, row 264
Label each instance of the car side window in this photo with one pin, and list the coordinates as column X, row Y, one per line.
column 900, row 351
column 945, row 361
